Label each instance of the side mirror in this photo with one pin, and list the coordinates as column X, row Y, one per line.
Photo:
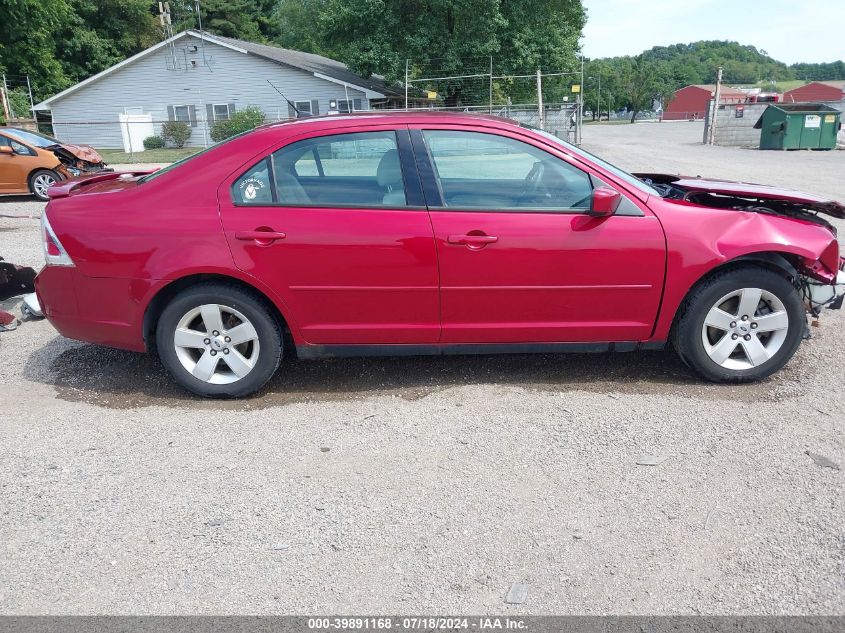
column 605, row 201
column 5, row 149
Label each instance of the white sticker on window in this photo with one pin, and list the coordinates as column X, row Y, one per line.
column 250, row 188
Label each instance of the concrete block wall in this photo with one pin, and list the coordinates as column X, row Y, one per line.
column 738, row 132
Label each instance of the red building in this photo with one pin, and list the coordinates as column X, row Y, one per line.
column 691, row 102
column 816, row 91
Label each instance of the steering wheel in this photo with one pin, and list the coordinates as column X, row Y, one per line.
column 532, row 186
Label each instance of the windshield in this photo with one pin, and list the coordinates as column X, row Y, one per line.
column 623, row 175
column 33, row 138
column 187, row 159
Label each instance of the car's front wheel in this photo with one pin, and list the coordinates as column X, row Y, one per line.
column 740, row 325
column 218, row 340
column 40, row 181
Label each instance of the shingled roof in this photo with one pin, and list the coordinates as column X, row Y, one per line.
column 309, row 62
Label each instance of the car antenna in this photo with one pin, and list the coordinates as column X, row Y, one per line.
column 290, row 103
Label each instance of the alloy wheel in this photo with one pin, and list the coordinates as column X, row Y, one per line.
column 745, row 328
column 41, row 183
column 216, row 344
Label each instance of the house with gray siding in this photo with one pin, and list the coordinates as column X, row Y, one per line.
column 200, row 79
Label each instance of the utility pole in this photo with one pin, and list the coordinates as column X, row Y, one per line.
column 717, row 99
column 3, row 102
column 31, row 102
column 598, row 100
column 406, row 85
column 580, row 120
column 491, row 85
column 540, row 99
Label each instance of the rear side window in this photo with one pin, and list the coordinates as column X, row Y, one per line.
column 360, row 169
column 254, row 187
column 475, row 170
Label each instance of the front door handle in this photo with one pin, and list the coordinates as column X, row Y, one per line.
column 473, row 241
column 262, row 237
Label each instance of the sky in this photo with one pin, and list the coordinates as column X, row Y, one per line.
column 788, row 30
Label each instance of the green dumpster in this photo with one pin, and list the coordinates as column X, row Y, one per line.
column 799, row 126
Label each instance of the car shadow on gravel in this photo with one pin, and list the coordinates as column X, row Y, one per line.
column 118, row 379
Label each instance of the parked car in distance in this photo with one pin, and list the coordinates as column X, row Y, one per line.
column 401, row 234
column 31, row 162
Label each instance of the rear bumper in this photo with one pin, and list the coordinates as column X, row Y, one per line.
column 100, row 310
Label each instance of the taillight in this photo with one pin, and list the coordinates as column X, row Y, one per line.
column 54, row 253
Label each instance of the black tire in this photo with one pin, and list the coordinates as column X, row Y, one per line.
column 269, row 338
column 687, row 338
column 36, row 191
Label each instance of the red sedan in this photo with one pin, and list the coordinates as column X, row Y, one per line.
column 390, row 234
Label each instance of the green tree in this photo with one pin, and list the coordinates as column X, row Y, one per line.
column 243, row 19
column 819, row 72
column 636, row 82
column 448, row 37
column 28, row 42
column 101, row 33
column 293, row 25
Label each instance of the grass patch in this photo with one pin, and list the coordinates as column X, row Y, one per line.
column 164, row 155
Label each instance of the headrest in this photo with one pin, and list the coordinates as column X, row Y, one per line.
column 389, row 171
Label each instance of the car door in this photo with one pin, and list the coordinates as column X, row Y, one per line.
column 16, row 165
column 336, row 224
column 521, row 259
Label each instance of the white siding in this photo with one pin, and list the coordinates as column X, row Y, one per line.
column 90, row 114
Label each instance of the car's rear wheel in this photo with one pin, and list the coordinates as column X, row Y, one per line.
column 40, row 181
column 219, row 341
column 740, row 325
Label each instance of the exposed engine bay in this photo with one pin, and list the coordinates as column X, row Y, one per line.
column 77, row 159
column 708, row 195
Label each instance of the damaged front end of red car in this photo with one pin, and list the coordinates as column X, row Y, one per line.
column 821, row 281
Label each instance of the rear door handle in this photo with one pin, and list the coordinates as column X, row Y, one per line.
column 265, row 238
column 472, row 241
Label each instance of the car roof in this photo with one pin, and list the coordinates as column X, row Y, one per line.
column 395, row 116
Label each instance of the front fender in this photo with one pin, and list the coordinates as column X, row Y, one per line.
column 700, row 240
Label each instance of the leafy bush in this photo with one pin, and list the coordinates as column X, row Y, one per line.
column 175, row 132
column 240, row 121
column 153, row 142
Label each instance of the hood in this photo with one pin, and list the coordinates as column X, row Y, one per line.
column 680, row 187
column 81, row 152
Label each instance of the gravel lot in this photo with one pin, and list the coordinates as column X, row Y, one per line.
column 428, row 485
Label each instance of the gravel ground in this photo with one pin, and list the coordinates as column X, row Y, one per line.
column 428, row 485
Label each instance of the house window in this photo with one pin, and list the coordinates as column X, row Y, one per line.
column 346, row 105
column 181, row 113
column 303, row 108
column 221, row 112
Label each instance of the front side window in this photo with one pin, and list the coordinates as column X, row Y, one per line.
column 486, row 171
column 17, row 148
column 360, row 169
column 20, row 148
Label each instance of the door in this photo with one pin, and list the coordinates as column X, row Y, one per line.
column 336, row 225
column 521, row 260
column 15, row 166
